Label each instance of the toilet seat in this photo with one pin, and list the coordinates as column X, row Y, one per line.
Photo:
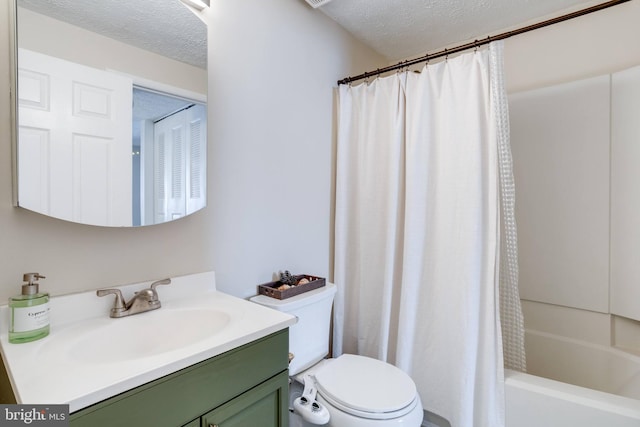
column 366, row 387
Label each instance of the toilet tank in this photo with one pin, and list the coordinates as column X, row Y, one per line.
column 309, row 337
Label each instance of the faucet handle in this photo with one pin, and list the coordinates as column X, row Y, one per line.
column 160, row 282
column 118, row 305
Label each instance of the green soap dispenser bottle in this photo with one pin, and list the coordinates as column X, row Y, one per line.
column 29, row 312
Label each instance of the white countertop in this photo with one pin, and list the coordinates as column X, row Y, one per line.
column 62, row 368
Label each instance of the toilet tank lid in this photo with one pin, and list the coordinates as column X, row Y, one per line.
column 293, row 303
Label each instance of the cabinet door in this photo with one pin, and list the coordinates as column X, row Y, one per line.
column 264, row 406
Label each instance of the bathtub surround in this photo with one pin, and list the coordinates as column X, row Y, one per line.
column 417, row 230
column 578, row 219
column 591, row 46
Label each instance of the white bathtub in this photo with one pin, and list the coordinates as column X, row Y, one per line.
column 604, row 389
column 582, row 363
column 535, row 401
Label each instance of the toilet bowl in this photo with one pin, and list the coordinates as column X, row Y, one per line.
column 360, row 391
column 348, row 391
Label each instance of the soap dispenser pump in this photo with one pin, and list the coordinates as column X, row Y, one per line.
column 29, row 312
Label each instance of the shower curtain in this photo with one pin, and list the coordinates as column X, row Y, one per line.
column 418, row 237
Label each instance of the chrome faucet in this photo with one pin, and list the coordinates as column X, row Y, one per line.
column 144, row 300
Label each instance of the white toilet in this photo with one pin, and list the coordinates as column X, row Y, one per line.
column 348, row 391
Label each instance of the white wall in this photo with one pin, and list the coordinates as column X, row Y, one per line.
column 272, row 137
column 272, row 69
column 588, row 46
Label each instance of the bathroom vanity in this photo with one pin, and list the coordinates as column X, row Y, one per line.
column 204, row 358
column 246, row 386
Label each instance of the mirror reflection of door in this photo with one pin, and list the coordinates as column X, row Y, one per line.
column 74, row 160
column 57, row 166
column 76, row 133
column 171, row 135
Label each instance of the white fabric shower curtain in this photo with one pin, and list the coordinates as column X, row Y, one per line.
column 417, row 231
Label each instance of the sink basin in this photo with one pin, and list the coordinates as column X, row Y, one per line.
column 144, row 335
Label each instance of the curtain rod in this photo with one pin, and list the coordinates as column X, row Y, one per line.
column 477, row 43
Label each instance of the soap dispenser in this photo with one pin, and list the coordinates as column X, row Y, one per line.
column 29, row 312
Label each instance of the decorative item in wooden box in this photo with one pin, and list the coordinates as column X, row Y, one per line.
column 271, row 289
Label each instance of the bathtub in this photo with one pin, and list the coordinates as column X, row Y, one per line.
column 587, row 385
column 535, row 401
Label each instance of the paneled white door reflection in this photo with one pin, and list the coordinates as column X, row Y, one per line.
column 74, row 141
column 179, row 164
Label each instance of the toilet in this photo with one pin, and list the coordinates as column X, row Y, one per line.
column 348, row 391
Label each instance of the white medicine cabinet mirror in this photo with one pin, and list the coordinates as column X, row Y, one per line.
column 111, row 110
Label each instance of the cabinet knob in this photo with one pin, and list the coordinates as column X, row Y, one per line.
column 213, row 425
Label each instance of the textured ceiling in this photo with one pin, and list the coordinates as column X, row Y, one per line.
column 166, row 27
column 397, row 29
column 153, row 106
column 401, row 29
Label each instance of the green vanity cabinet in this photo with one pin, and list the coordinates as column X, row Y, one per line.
column 244, row 387
column 262, row 406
